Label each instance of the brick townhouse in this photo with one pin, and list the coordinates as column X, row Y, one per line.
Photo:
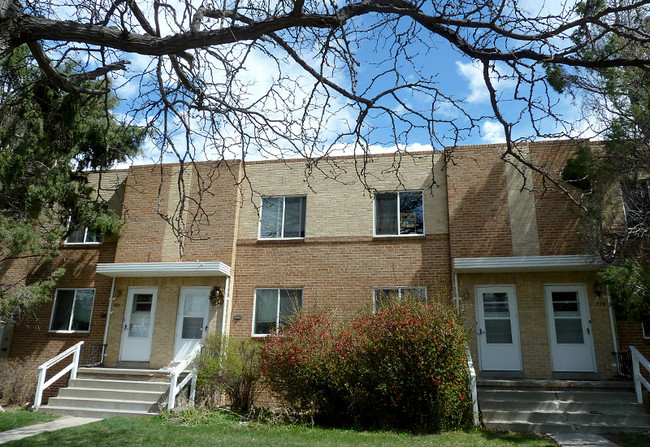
column 467, row 233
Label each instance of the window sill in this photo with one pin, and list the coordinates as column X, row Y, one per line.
column 81, row 244
column 69, row 332
column 382, row 236
column 260, row 335
column 280, row 239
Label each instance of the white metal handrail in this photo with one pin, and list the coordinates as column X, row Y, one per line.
column 472, row 387
column 42, row 371
column 175, row 387
column 637, row 360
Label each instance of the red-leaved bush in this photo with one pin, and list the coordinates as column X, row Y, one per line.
column 403, row 367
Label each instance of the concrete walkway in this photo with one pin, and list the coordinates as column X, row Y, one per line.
column 31, row 430
column 581, row 440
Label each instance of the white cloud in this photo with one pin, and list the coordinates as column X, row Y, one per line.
column 473, row 72
column 492, row 132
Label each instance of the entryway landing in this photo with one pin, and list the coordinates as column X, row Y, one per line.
column 561, row 406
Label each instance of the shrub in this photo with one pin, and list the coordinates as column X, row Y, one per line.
column 17, row 383
column 403, row 367
column 230, row 367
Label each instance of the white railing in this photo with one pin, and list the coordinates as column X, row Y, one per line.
column 176, row 387
column 637, row 360
column 472, row 387
column 42, row 371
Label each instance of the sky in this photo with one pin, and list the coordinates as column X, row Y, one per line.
column 454, row 74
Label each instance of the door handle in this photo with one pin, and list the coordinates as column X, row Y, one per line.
column 126, row 326
column 481, row 332
column 588, row 331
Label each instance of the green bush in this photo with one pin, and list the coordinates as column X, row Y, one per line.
column 229, row 367
column 403, row 367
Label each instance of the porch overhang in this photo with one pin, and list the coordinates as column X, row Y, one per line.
column 558, row 263
column 162, row 269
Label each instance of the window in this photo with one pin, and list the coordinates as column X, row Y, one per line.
column 283, row 217
column 83, row 236
column 273, row 307
column 636, row 202
column 645, row 327
column 387, row 296
column 72, row 310
column 399, row 213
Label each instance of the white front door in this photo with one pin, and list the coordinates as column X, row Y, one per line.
column 569, row 326
column 498, row 328
column 137, row 331
column 192, row 321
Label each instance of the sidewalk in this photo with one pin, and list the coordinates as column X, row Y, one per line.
column 581, row 440
column 31, row 430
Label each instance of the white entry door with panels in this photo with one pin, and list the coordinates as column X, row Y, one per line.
column 569, row 326
column 498, row 328
column 137, row 331
column 192, row 320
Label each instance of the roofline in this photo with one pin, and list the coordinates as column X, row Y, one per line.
column 557, row 263
column 163, row 269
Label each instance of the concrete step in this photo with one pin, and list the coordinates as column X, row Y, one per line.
column 530, row 427
column 103, row 404
column 551, row 406
column 567, row 417
column 98, row 393
column 554, row 395
column 125, row 373
column 556, row 384
column 116, row 384
column 92, row 413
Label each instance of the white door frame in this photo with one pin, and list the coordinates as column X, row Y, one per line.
column 180, row 314
column 589, row 353
column 515, row 348
column 127, row 318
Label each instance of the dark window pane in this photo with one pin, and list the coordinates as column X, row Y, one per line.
column 92, row 237
column 142, row 302
column 496, row 304
column 62, row 310
column 294, row 216
column 83, row 308
column 77, row 236
column 569, row 330
column 192, row 327
column 498, row 331
column 271, row 219
column 266, row 310
column 411, row 218
column 636, row 199
column 290, row 303
column 565, row 303
column 386, row 213
column 414, row 294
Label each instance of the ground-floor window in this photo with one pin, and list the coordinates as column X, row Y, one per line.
column 72, row 310
column 273, row 307
column 387, row 296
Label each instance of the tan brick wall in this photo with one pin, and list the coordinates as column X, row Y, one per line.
column 338, row 275
column 342, row 207
column 533, row 325
column 168, row 294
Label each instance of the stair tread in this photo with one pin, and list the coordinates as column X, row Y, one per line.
column 103, row 410
column 112, row 390
column 600, row 413
column 92, row 399
column 119, row 381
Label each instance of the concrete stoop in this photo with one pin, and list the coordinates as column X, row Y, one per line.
column 109, row 392
column 561, row 406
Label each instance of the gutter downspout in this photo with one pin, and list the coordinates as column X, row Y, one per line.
column 456, row 297
column 225, row 305
column 612, row 325
column 108, row 318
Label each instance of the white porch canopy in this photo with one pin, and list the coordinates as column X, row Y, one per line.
column 163, row 269
column 558, row 263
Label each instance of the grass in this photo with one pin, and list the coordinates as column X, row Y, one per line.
column 20, row 418
column 218, row 428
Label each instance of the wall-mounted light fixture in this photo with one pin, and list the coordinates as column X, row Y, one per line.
column 598, row 289
column 216, row 296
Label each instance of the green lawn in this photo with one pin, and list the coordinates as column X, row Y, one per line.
column 20, row 418
column 219, row 429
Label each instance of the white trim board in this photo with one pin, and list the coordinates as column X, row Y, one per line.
column 158, row 269
column 556, row 263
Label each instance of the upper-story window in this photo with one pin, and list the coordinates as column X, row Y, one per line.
column 387, row 296
column 283, row 217
column 636, row 200
column 72, row 310
column 83, row 236
column 399, row 213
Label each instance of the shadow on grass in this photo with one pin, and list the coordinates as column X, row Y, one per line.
column 630, row 439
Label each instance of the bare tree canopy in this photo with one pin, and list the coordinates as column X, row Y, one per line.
column 244, row 78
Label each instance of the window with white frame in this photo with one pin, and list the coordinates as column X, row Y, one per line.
column 283, row 217
column 645, row 327
column 387, row 296
column 72, row 310
column 399, row 213
column 83, row 236
column 636, row 202
column 273, row 307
